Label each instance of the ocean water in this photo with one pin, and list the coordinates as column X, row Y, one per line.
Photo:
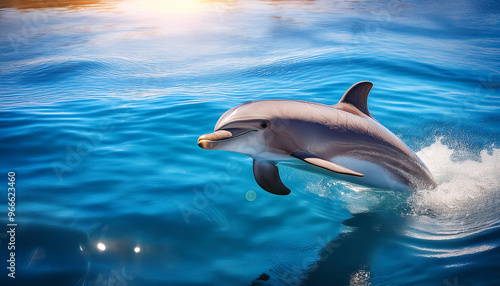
column 102, row 103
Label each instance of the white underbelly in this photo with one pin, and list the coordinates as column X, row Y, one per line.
column 375, row 175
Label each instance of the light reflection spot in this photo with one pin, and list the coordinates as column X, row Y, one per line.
column 101, row 246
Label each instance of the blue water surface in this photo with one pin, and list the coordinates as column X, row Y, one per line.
column 102, row 103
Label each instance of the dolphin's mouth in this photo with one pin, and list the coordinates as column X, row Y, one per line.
column 208, row 141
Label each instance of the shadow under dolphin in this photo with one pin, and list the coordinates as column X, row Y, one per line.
column 346, row 259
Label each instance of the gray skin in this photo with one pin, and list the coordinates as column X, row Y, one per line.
column 343, row 141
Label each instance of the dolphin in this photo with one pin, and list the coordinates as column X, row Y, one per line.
column 343, row 141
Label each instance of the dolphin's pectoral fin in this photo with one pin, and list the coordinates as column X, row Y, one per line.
column 267, row 176
column 330, row 166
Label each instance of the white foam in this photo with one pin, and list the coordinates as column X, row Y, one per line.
column 462, row 184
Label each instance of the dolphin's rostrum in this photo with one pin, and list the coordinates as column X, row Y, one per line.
column 343, row 141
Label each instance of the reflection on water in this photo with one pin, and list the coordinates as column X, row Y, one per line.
column 40, row 4
column 162, row 5
column 346, row 259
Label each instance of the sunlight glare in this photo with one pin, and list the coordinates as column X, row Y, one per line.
column 167, row 6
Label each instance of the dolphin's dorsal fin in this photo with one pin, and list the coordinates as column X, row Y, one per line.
column 322, row 163
column 357, row 96
column 268, row 177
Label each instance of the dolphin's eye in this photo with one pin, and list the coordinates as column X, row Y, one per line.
column 264, row 124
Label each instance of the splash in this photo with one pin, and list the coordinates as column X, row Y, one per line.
column 463, row 184
column 467, row 184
